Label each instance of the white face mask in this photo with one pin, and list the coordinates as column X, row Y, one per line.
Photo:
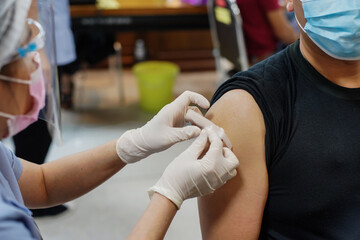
column 17, row 123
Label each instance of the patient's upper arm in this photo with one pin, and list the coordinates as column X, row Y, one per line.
column 235, row 210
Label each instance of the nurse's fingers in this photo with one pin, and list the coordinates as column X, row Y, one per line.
column 199, row 145
column 197, row 119
column 195, row 109
column 202, row 122
column 232, row 161
column 189, row 97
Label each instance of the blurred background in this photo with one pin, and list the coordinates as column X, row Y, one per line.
column 119, row 62
column 138, row 30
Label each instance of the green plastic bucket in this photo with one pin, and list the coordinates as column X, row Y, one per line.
column 155, row 82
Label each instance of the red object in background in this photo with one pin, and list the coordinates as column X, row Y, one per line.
column 220, row 3
column 259, row 36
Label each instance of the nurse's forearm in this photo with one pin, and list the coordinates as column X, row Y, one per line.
column 156, row 219
column 70, row 177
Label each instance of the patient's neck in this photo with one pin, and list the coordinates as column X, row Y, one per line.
column 342, row 73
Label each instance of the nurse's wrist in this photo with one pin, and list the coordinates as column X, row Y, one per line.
column 166, row 201
column 127, row 149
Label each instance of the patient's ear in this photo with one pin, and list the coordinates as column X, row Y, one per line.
column 290, row 5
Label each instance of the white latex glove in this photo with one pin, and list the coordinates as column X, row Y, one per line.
column 194, row 116
column 161, row 132
column 188, row 176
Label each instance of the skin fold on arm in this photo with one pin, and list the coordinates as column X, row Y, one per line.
column 235, row 210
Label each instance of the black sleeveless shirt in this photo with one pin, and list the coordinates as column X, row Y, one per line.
column 312, row 148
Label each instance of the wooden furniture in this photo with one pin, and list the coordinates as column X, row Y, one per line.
column 139, row 7
column 171, row 30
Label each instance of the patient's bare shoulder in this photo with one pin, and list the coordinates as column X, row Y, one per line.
column 236, row 103
column 235, row 210
column 240, row 116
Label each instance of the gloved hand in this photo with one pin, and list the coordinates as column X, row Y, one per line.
column 194, row 116
column 161, row 132
column 188, row 176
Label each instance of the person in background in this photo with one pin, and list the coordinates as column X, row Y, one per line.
column 34, row 142
column 65, row 52
column 265, row 25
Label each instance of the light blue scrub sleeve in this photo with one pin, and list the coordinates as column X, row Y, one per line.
column 10, row 172
column 14, row 224
column 16, row 221
column 16, row 165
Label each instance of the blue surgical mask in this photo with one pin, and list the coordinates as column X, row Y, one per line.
column 334, row 26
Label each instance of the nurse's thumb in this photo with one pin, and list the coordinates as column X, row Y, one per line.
column 185, row 133
column 231, row 161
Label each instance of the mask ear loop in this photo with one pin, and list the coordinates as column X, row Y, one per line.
column 21, row 81
column 6, row 115
column 38, row 42
column 11, row 79
column 301, row 27
column 35, row 44
column 321, row 47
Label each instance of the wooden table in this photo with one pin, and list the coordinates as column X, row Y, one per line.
column 172, row 30
column 140, row 15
